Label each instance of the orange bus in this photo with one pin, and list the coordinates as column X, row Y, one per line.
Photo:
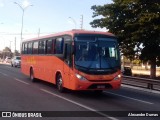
column 76, row 60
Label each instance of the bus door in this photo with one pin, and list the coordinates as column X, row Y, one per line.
column 67, row 62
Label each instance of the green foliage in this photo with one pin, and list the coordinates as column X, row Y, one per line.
column 6, row 53
column 135, row 23
column 6, row 49
column 16, row 53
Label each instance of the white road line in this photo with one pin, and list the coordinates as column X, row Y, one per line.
column 79, row 104
column 4, row 74
column 130, row 98
column 8, row 67
column 21, row 81
column 142, row 89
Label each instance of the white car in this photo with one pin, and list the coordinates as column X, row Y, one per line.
column 16, row 61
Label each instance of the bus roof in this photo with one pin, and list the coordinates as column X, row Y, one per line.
column 72, row 33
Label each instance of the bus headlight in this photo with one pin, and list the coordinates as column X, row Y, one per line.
column 80, row 77
column 117, row 77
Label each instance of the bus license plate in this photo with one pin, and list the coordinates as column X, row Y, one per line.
column 101, row 86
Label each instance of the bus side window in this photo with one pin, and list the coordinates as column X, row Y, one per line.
column 35, row 48
column 59, row 46
column 41, row 48
column 53, row 46
column 25, row 48
column 30, row 48
column 68, row 54
column 49, row 46
column 22, row 48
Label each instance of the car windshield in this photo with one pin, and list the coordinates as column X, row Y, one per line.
column 96, row 52
column 18, row 58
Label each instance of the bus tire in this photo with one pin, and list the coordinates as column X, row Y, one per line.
column 32, row 78
column 59, row 83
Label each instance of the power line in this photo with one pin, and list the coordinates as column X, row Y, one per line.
column 3, row 33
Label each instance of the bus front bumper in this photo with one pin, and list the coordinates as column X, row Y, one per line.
column 87, row 85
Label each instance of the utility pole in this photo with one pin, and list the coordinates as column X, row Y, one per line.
column 81, row 21
column 39, row 30
column 10, row 45
column 15, row 44
column 73, row 22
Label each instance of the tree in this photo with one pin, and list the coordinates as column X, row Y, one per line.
column 16, row 53
column 7, row 52
column 136, row 24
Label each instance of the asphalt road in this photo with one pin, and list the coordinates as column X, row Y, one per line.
column 18, row 93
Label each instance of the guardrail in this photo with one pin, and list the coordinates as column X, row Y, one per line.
column 142, row 82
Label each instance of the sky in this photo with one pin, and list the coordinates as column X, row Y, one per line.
column 44, row 17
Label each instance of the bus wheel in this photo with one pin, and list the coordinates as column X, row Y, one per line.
column 32, row 75
column 59, row 83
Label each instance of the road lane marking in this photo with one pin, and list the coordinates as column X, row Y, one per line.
column 142, row 89
column 21, row 81
column 4, row 74
column 8, row 67
column 79, row 104
column 130, row 98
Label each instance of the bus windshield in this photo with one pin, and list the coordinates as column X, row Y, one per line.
column 96, row 52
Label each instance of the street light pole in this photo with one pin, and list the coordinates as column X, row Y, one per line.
column 81, row 22
column 23, row 9
column 73, row 22
column 15, row 43
column 22, row 26
column 10, row 45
